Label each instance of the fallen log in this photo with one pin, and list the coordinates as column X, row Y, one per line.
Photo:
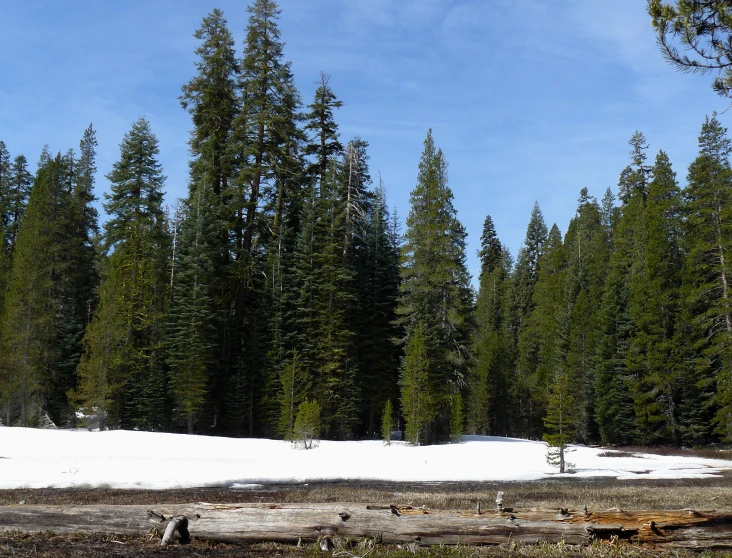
column 383, row 523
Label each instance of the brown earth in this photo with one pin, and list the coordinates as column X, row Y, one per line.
column 597, row 494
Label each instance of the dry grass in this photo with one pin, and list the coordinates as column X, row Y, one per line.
column 101, row 546
column 596, row 493
column 714, row 493
column 706, row 452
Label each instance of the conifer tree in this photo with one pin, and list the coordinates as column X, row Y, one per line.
column 19, row 187
column 5, row 173
column 373, row 318
column 435, row 289
column 102, row 368
column 614, row 381
column 295, row 385
column 587, row 248
column 525, row 275
column 708, row 210
column 192, row 332
column 137, row 236
column 489, row 404
column 210, row 97
column 654, row 357
column 387, row 422
column 265, row 154
column 325, row 146
column 419, row 405
column 75, row 270
column 27, row 331
column 561, row 419
column 539, row 335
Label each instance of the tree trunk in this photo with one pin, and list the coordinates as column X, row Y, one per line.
column 386, row 524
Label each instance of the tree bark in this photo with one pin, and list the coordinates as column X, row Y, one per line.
column 386, row 524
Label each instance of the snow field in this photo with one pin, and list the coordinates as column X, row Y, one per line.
column 31, row 458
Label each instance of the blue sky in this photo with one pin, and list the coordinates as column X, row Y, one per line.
column 528, row 99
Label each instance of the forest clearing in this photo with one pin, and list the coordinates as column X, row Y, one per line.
column 93, row 491
column 263, row 329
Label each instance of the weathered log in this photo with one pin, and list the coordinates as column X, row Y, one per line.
column 384, row 523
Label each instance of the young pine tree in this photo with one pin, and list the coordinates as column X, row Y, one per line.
column 418, row 400
column 295, row 384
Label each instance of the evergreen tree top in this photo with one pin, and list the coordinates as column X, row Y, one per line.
column 490, row 247
column 137, row 182
column 713, row 140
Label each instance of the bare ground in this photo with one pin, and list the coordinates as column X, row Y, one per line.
column 702, row 494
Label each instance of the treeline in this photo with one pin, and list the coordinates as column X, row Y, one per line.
column 621, row 331
column 282, row 286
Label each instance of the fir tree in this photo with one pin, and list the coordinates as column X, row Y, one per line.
column 417, row 389
column 708, row 210
column 5, row 173
column 265, row 154
column 616, row 380
column 538, row 337
column 137, row 235
column 27, row 331
column 102, row 369
column 192, row 331
column 387, row 422
column 377, row 264
column 587, row 248
column 654, row 357
column 211, row 100
column 325, row 146
column 435, row 289
column 525, row 276
column 561, row 419
column 295, row 385
column 489, row 403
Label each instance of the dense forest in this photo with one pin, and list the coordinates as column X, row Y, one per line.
column 283, row 286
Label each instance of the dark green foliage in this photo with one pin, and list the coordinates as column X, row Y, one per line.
column 587, row 248
column 102, row 370
column 614, row 380
column 525, row 276
column 320, row 121
column 21, row 181
column 192, row 334
column 373, row 318
column 5, row 173
column 417, row 388
column 562, row 417
column 290, row 305
column 702, row 29
column 489, row 402
column 654, row 357
column 708, row 212
column 537, row 341
column 137, row 236
column 435, row 290
column 265, row 148
column 27, row 331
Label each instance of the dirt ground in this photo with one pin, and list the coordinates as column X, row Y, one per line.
column 702, row 494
